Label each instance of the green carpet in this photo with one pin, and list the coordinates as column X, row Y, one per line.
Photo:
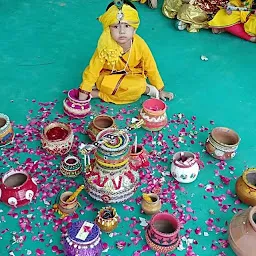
column 45, row 46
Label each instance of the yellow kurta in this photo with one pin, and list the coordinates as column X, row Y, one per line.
column 119, row 88
column 222, row 19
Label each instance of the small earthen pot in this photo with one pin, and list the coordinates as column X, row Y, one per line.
column 107, row 219
column 162, row 234
column 185, row 166
column 71, row 166
column 153, row 113
column 67, row 207
column 99, row 124
column 6, row 131
column 222, row 143
column 57, row 138
column 242, row 232
column 138, row 157
column 246, row 187
column 17, row 188
column 74, row 107
column 153, row 207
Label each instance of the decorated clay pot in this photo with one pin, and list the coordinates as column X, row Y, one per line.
column 242, row 232
column 71, row 166
column 153, row 113
column 222, row 143
column 57, row 138
column 185, row 166
column 74, row 107
column 162, row 234
column 153, row 206
column 107, row 219
column 6, row 131
column 99, row 124
column 83, row 239
column 17, row 188
column 138, row 157
column 65, row 206
column 246, row 187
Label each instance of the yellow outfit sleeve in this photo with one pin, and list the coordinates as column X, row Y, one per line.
column 92, row 72
column 236, row 3
column 150, row 68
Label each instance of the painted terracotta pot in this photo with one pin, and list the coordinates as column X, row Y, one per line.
column 185, row 166
column 71, row 166
column 153, row 207
column 242, row 232
column 17, row 188
column 99, row 124
column 139, row 157
column 57, row 138
column 74, row 107
column 6, row 131
column 67, row 207
column 162, row 234
column 153, row 113
column 246, row 187
column 222, row 143
column 107, row 219
column 83, row 239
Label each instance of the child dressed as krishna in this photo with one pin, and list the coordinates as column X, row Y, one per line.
column 239, row 18
column 122, row 62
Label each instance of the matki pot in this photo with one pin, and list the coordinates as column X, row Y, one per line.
column 71, row 166
column 6, row 131
column 57, row 138
column 222, row 143
column 83, row 239
column 152, row 207
column 74, row 107
column 246, row 187
column 107, row 219
column 67, row 207
column 99, row 124
column 17, row 188
column 242, row 232
column 185, row 166
column 138, row 157
column 162, row 234
column 153, row 113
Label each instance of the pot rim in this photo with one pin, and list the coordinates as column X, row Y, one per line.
column 154, row 112
column 185, row 152
column 244, row 176
column 67, row 193
column 223, row 144
column 76, row 100
column 71, row 157
column 106, row 208
column 154, row 195
column 165, row 216
column 51, row 125
column 139, row 146
column 7, row 121
column 9, row 174
column 251, row 213
column 105, row 116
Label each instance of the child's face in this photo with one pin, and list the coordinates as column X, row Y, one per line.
column 122, row 32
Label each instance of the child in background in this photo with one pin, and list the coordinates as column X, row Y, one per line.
column 122, row 62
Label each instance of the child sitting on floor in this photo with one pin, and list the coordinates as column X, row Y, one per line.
column 122, row 62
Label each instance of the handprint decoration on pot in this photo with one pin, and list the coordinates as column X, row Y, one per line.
column 17, row 188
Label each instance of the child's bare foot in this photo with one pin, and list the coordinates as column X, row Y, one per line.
column 253, row 39
column 152, row 91
column 217, row 30
column 166, row 95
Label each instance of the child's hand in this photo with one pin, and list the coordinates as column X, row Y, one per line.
column 166, row 95
column 83, row 95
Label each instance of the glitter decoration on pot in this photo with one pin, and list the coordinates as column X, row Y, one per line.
column 153, row 113
column 162, row 233
column 57, row 138
column 222, row 143
column 74, row 107
column 6, row 130
column 246, row 187
column 83, row 239
column 151, row 203
column 242, row 232
column 71, row 166
column 107, row 219
column 185, row 166
column 17, row 188
column 99, row 124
